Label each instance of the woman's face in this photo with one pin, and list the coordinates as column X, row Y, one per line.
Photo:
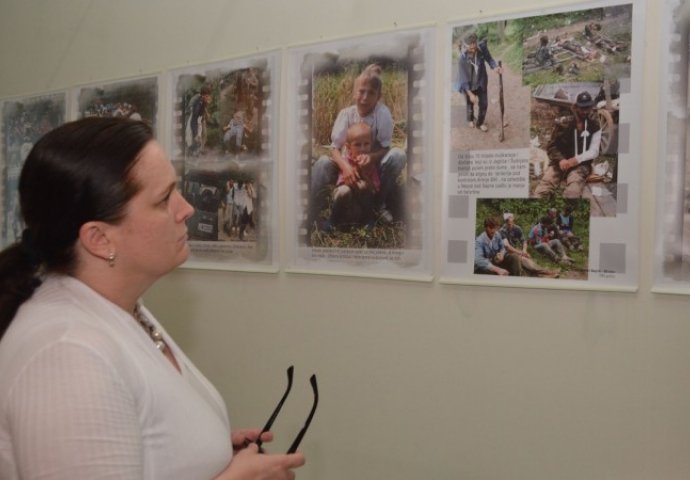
column 151, row 240
column 365, row 96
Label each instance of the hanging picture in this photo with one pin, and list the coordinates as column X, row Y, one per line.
column 22, row 122
column 541, row 167
column 224, row 145
column 359, row 156
column 672, row 252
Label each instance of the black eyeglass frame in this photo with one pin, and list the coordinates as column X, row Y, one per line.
column 276, row 411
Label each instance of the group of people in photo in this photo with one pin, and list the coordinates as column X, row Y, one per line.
column 504, row 249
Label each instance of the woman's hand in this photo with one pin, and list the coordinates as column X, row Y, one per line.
column 242, row 438
column 249, row 464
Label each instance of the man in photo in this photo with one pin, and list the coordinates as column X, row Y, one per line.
column 198, row 116
column 474, row 79
column 574, row 144
column 490, row 255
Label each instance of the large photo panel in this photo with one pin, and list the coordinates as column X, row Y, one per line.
column 360, row 155
column 541, row 138
column 224, row 146
column 22, row 122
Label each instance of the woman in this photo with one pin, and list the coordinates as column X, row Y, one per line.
column 90, row 384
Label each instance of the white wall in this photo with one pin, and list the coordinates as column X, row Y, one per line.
column 418, row 381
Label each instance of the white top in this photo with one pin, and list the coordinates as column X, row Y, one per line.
column 84, row 393
column 380, row 120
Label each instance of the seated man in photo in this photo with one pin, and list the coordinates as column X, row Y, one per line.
column 515, row 243
column 490, row 255
column 542, row 237
column 574, row 144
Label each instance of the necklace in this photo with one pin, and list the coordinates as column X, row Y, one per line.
column 150, row 329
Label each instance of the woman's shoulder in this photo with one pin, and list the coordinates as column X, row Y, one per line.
column 58, row 317
column 382, row 109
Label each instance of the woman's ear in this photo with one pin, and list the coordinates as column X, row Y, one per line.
column 93, row 237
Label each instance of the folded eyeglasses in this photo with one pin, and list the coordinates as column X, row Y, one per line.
column 300, row 435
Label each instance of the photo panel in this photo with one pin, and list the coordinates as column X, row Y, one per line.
column 360, row 155
column 542, row 107
column 672, row 242
column 224, row 147
column 22, row 122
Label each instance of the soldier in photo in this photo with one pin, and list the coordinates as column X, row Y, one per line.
column 574, row 144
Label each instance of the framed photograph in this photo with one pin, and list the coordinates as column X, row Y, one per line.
column 224, row 144
column 22, row 122
column 133, row 98
column 360, row 156
column 672, row 249
column 541, row 137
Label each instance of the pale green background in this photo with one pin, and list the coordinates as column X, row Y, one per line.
column 418, row 380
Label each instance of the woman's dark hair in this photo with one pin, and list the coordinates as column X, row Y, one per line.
column 79, row 172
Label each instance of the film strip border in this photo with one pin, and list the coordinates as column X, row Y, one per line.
column 304, row 117
column 267, row 167
column 417, row 139
column 677, row 177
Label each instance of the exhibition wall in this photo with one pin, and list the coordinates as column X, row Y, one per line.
column 418, row 378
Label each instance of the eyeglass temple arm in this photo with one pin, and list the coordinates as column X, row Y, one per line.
column 300, row 435
column 275, row 413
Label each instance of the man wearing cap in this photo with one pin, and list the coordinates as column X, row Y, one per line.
column 474, row 79
column 574, row 144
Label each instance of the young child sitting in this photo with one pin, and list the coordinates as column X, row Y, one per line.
column 234, row 128
column 353, row 203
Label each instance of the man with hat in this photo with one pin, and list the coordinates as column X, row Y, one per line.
column 574, row 144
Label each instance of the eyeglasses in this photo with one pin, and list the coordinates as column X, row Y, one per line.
column 303, row 431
